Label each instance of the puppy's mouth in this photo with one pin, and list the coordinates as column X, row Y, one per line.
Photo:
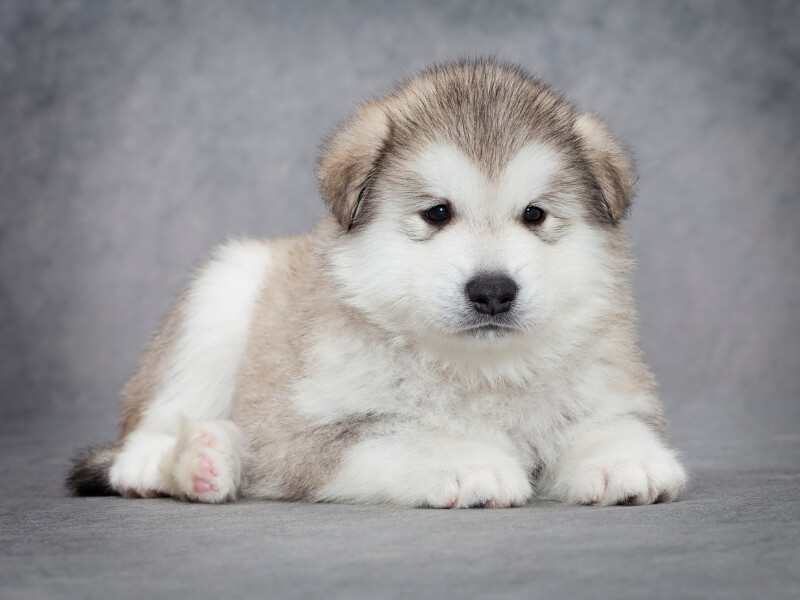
column 488, row 330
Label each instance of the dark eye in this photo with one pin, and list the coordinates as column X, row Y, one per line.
column 534, row 215
column 437, row 214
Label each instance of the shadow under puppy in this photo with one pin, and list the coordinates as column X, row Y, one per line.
column 458, row 330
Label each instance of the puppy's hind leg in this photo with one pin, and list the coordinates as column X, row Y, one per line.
column 176, row 437
column 202, row 463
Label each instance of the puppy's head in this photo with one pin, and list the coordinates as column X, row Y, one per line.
column 475, row 206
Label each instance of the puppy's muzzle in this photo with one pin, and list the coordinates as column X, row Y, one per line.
column 491, row 294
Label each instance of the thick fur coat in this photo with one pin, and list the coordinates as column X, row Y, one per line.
column 458, row 330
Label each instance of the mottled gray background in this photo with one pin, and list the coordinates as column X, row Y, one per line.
column 136, row 135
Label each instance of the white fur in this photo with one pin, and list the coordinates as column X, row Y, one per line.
column 527, row 176
column 201, row 375
column 617, row 462
column 338, row 366
column 138, row 469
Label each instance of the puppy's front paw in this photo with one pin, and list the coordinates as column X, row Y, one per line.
column 207, row 465
column 430, row 470
column 614, row 477
column 480, row 484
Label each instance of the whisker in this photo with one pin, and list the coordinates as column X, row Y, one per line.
column 518, row 269
column 456, row 268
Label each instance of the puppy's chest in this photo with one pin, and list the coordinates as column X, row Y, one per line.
column 336, row 390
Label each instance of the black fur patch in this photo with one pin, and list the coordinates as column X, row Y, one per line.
column 89, row 473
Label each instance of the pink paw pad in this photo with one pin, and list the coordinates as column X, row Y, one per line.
column 208, row 439
column 202, row 486
column 206, row 465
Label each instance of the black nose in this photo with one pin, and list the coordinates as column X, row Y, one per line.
column 491, row 294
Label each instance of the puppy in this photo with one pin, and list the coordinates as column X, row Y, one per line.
column 458, row 331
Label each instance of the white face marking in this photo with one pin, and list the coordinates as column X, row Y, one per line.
column 447, row 173
column 411, row 275
column 528, row 176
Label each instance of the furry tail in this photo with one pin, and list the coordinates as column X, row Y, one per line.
column 90, row 469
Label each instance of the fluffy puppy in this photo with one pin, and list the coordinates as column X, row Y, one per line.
column 458, row 330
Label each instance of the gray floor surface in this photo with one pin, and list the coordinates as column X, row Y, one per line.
column 734, row 534
column 136, row 134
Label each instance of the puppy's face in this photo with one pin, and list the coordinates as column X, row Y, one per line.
column 480, row 237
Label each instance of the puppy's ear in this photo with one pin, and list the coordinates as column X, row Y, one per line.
column 348, row 160
column 610, row 164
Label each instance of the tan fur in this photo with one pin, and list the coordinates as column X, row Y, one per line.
column 284, row 448
column 474, row 105
column 344, row 169
column 610, row 163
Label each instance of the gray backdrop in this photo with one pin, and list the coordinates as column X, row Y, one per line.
column 136, row 135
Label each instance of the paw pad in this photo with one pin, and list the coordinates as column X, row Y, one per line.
column 201, row 486
column 206, row 465
column 208, row 439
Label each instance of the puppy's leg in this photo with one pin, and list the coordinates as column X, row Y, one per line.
column 176, row 438
column 621, row 461
column 427, row 469
column 202, row 463
column 139, row 467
